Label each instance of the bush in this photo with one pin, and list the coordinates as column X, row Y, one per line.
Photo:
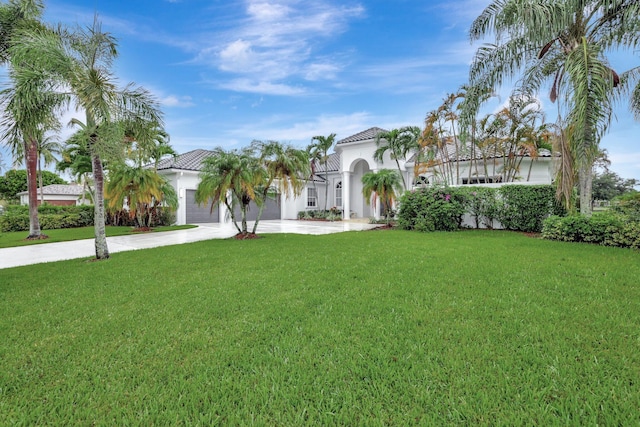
column 333, row 214
column 628, row 205
column 482, row 204
column 525, row 207
column 431, row 209
column 603, row 228
column 16, row 217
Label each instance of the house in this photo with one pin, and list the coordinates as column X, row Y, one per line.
column 340, row 183
column 56, row 194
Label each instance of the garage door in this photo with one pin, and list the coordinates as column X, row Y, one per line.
column 199, row 213
column 271, row 210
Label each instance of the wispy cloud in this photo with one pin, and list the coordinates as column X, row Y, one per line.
column 278, row 40
column 177, row 101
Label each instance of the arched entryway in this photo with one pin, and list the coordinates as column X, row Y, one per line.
column 358, row 204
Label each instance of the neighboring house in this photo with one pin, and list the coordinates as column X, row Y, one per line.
column 353, row 158
column 56, row 194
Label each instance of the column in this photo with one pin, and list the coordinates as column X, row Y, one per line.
column 346, row 195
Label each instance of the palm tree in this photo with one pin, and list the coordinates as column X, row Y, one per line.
column 319, row 149
column 30, row 103
column 231, row 178
column 76, row 160
column 140, row 189
column 384, row 184
column 48, row 147
column 399, row 143
column 286, row 169
column 561, row 41
column 81, row 63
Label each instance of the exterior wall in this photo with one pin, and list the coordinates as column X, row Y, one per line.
column 53, row 199
column 542, row 171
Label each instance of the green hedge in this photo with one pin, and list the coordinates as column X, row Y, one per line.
column 16, row 218
column 525, row 207
column 603, row 228
column 516, row 207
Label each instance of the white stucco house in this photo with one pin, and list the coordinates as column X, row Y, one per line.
column 57, row 194
column 342, row 187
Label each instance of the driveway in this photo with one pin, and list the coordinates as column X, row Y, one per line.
column 49, row 252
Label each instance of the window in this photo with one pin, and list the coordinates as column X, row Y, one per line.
column 482, row 180
column 312, row 197
column 421, row 181
column 339, row 194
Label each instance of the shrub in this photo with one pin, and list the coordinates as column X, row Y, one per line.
column 431, row 209
column 16, row 217
column 525, row 207
column 604, row 228
column 628, row 205
column 482, row 204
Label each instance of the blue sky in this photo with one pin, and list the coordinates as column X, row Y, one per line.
column 229, row 72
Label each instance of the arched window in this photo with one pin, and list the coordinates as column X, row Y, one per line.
column 339, row 194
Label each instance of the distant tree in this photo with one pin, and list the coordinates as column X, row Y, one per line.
column 385, row 185
column 608, row 185
column 319, row 149
column 15, row 181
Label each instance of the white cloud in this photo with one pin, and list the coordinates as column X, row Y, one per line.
column 278, row 40
column 177, row 101
column 262, row 87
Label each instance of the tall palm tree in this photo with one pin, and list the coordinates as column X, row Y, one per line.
column 399, row 143
column 319, row 148
column 562, row 42
column 29, row 101
column 81, row 62
column 287, row 169
column 385, row 185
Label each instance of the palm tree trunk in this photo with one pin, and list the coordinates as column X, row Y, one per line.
column 260, row 209
column 232, row 215
column 31, row 156
column 102, row 250
column 585, row 179
column 404, row 183
column 40, row 180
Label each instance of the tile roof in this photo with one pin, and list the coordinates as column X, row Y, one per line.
column 362, row 136
column 59, row 189
column 191, row 160
column 333, row 164
column 465, row 155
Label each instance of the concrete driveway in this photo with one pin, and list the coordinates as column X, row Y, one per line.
column 49, row 252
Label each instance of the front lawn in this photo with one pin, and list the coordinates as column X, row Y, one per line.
column 18, row 238
column 359, row 328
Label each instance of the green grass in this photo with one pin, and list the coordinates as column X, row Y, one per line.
column 18, row 238
column 373, row 328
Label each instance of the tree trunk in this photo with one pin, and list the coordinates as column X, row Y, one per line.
column 585, row 179
column 31, row 160
column 102, row 250
column 40, row 180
